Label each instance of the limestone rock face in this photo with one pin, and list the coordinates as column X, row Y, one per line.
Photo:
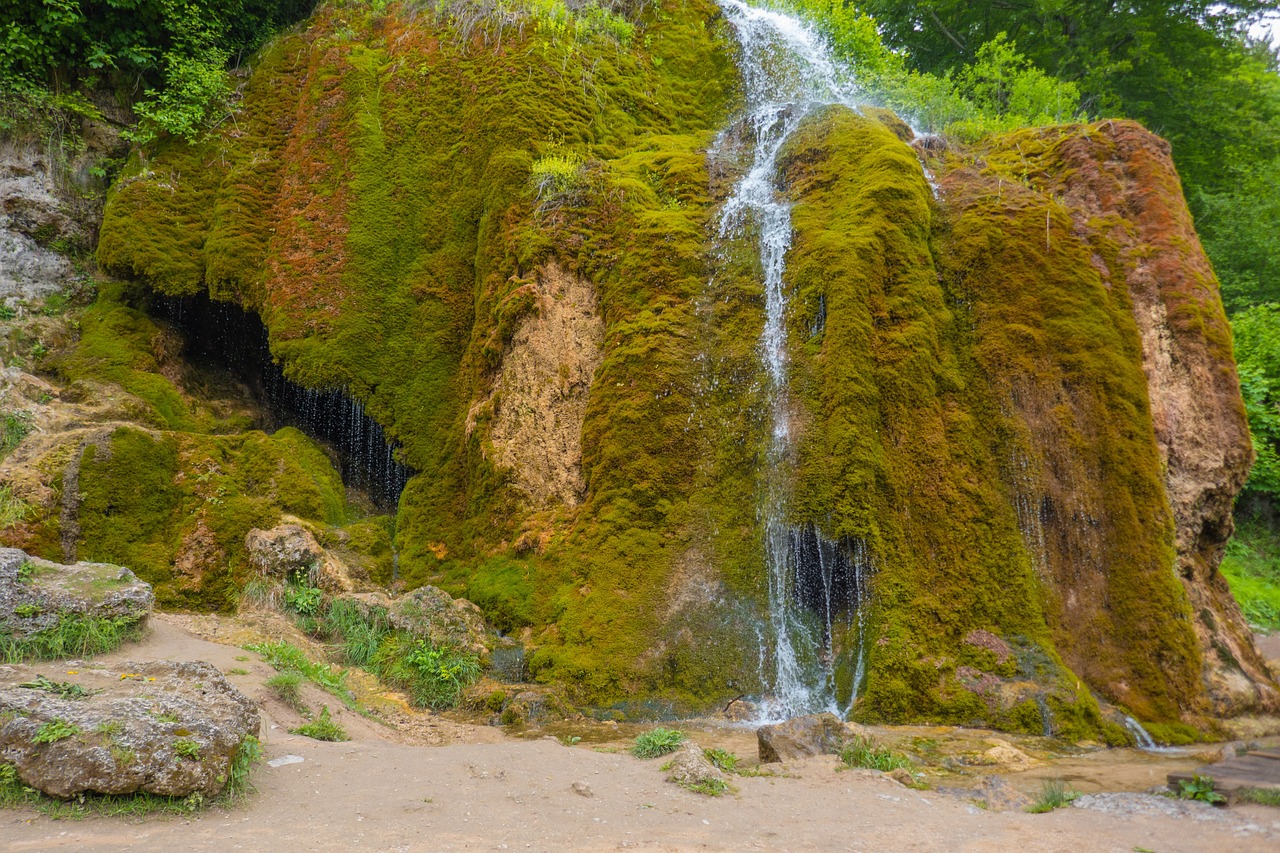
column 800, row 737
column 161, row 727
column 35, row 594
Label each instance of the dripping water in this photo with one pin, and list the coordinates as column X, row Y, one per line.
column 236, row 340
column 817, row 588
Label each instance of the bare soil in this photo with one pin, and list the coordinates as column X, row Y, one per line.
column 409, row 781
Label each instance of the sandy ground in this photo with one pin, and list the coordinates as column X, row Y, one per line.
column 389, row 790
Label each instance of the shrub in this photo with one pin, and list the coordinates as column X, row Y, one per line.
column 322, row 728
column 656, row 742
column 433, row 676
column 303, row 600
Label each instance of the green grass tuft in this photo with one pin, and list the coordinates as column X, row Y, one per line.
column 725, row 761
column 75, row 636
column 864, row 752
column 1260, row 796
column 287, row 686
column 1054, row 794
column 657, row 742
column 322, row 728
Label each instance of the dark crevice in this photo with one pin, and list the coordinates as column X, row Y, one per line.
column 224, row 335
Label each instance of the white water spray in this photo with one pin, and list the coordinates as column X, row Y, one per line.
column 789, row 73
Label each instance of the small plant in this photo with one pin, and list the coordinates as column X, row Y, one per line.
column 1054, row 794
column 55, row 730
column 26, row 611
column 656, row 742
column 322, row 728
column 187, row 748
column 13, row 509
column 1200, row 788
column 708, row 787
column 287, row 686
column 556, row 179
column 303, row 600
column 164, row 716
column 247, row 754
column 237, row 670
column 724, row 760
column 15, row 427
column 864, row 752
column 432, row 675
column 26, row 571
column 61, row 689
column 8, row 312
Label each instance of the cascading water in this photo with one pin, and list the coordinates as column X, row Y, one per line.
column 237, row 340
column 817, row 588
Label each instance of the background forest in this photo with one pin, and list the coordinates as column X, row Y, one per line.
column 1204, row 75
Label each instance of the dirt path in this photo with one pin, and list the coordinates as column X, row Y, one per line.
column 483, row 791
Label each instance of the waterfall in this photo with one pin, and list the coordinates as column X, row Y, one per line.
column 236, row 340
column 817, row 588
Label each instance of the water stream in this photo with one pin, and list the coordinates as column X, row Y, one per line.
column 817, row 588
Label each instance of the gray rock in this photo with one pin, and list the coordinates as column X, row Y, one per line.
column 690, row 767
column 800, row 737
column 431, row 613
column 36, row 594
column 162, row 727
column 289, row 551
column 992, row 793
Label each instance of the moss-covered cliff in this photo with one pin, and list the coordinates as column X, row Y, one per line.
column 497, row 236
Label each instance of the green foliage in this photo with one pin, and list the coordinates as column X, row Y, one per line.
column 1252, row 568
column 187, row 748
column 1257, row 342
column 55, row 730
column 322, row 728
column 74, row 636
column 557, row 179
column 1200, row 788
column 433, row 676
column 248, row 753
column 360, row 634
column 13, row 509
column 16, row 426
column 709, row 787
column 656, row 742
column 26, row 611
column 303, row 600
column 287, row 658
column 866, row 753
column 61, row 689
column 1054, row 794
column 725, row 761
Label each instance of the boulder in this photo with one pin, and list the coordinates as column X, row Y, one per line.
column 800, row 737
column 37, row 595
column 165, row 728
column 290, row 551
column 432, row 614
column 690, row 767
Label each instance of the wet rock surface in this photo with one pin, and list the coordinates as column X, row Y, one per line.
column 799, row 737
column 36, row 594
column 162, row 727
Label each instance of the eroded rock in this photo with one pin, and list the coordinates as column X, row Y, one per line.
column 800, row 737
column 161, row 727
column 432, row 614
column 690, row 767
column 291, row 551
column 36, row 595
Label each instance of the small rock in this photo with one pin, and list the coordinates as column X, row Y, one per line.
column 285, row 760
column 997, row 795
column 902, row 776
column 690, row 767
column 799, row 737
column 582, row 789
column 289, row 550
column 1007, row 756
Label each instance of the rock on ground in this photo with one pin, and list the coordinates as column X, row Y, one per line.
column 799, row 737
column 690, row 767
column 290, row 550
column 432, row 614
column 164, row 728
column 36, row 594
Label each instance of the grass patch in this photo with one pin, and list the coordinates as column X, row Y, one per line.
column 15, row 427
column 13, row 509
column 656, row 742
column 709, row 787
column 74, row 636
column 724, row 760
column 322, row 728
column 1260, row 796
column 359, row 632
column 866, row 753
column 287, row 657
column 433, row 676
column 1054, row 794
column 287, row 686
